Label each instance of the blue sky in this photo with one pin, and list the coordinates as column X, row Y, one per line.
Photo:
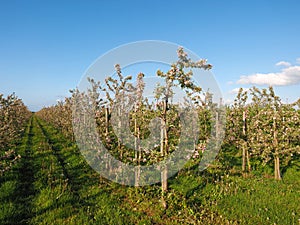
column 46, row 46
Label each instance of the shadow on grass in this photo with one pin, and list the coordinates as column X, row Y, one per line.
column 25, row 189
column 73, row 170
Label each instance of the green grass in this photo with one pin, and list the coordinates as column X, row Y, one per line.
column 260, row 201
column 53, row 184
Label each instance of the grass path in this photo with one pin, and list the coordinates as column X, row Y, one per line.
column 24, row 192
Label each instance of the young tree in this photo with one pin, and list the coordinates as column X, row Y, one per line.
column 271, row 127
column 237, row 127
column 180, row 75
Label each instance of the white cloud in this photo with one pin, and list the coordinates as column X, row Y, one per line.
column 283, row 63
column 287, row 76
column 236, row 90
column 230, row 82
column 298, row 61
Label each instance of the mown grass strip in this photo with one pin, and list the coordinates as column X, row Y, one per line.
column 96, row 201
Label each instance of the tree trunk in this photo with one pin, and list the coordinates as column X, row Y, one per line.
column 244, row 158
column 276, row 158
column 106, row 113
column 106, row 121
column 135, row 135
column 162, row 137
column 244, row 143
column 120, row 133
column 164, row 151
column 248, row 160
column 139, row 157
column 138, row 153
column 164, row 173
column 277, row 168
